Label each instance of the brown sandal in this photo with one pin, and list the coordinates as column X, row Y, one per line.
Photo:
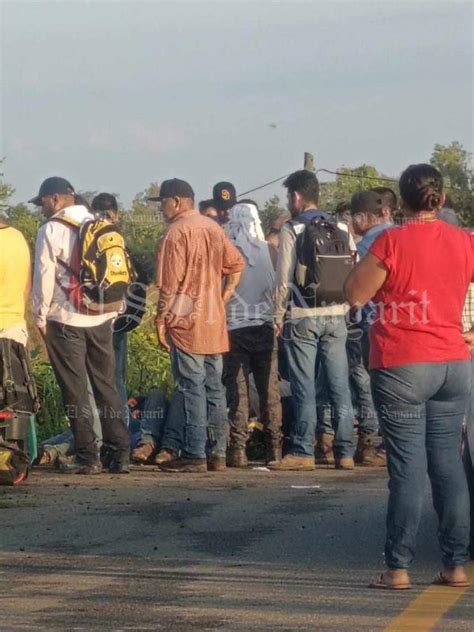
column 442, row 580
column 382, row 583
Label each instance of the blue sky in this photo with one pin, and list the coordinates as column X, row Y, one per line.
column 115, row 95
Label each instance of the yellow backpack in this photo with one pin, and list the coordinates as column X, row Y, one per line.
column 101, row 266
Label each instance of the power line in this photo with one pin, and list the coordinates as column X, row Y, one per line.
column 343, row 174
column 262, row 186
column 356, row 175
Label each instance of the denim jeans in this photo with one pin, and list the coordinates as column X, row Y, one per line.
column 361, row 394
column 153, row 418
column 421, row 409
column 121, row 353
column 469, row 454
column 197, row 418
column 308, row 342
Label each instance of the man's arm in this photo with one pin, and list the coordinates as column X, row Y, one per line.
column 231, row 283
column 232, row 266
column 44, row 276
column 365, row 280
column 285, row 272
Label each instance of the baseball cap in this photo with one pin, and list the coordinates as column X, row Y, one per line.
column 224, row 195
column 173, row 188
column 366, row 201
column 52, row 186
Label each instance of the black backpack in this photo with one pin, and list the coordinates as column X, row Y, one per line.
column 323, row 262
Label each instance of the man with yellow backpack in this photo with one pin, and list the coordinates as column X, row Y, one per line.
column 81, row 274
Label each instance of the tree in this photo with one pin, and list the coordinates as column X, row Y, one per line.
column 143, row 227
column 272, row 209
column 25, row 220
column 20, row 216
column 6, row 191
column 454, row 162
column 350, row 181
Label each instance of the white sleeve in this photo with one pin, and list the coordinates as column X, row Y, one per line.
column 44, row 275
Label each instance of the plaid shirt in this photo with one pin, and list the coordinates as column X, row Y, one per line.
column 468, row 311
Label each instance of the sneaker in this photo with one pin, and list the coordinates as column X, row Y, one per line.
column 184, row 465
column 216, row 464
column 293, row 462
column 345, row 463
column 165, row 455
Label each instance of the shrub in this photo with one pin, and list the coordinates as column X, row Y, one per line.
column 148, row 367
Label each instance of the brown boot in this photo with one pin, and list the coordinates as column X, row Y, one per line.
column 165, row 455
column 293, row 462
column 368, row 454
column 237, row 457
column 183, row 465
column 273, row 448
column 324, row 450
column 142, row 453
column 216, row 464
column 345, row 463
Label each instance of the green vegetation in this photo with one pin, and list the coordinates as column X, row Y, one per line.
column 148, row 365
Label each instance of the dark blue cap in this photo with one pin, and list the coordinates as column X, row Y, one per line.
column 52, row 186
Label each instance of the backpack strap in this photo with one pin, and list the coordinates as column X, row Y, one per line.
column 66, row 221
column 8, row 381
column 71, row 223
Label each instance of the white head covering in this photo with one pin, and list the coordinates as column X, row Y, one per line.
column 245, row 231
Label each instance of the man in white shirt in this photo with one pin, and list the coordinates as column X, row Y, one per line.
column 79, row 344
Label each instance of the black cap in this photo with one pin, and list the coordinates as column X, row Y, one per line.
column 52, row 186
column 224, row 195
column 173, row 188
column 366, row 201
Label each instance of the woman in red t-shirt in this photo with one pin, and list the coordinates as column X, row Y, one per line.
column 417, row 275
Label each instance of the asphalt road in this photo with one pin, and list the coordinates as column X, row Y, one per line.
column 241, row 550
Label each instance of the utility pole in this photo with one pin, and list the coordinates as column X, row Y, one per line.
column 308, row 161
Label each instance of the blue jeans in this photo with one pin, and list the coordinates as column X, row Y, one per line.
column 121, row 353
column 308, row 342
column 421, row 409
column 359, row 382
column 197, row 417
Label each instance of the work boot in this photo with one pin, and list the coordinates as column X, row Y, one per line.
column 184, row 465
column 47, row 455
column 367, row 453
column 293, row 462
column 324, row 450
column 142, row 453
column 216, row 464
column 273, row 448
column 81, row 468
column 273, row 453
column 165, row 455
column 119, row 467
column 344, row 463
column 236, row 456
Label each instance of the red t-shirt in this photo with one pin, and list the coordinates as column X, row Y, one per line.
column 419, row 307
